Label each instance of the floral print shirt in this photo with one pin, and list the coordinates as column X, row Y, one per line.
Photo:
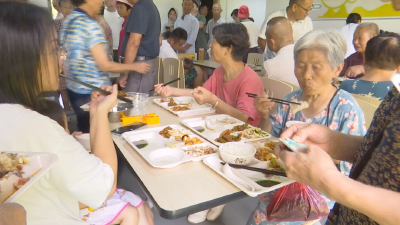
column 382, row 170
column 344, row 115
column 372, row 89
column 190, row 76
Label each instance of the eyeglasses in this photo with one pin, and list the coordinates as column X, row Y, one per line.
column 306, row 10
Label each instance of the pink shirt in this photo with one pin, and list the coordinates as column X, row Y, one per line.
column 234, row 92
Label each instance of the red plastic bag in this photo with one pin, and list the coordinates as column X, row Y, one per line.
column 296, row 202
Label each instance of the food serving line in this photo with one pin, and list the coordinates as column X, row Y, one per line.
column 187, row 187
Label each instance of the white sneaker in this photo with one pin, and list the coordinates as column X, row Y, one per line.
column 198, row 217
column 215, row 212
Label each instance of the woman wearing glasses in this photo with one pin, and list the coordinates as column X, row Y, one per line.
column 297, row 12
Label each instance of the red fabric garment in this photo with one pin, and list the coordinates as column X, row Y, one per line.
column 354, row 59
column 234, row 92
column 121, row 37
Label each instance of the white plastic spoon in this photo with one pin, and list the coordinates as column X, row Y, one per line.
column 228, row 171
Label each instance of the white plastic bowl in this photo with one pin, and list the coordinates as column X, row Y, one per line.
column 243, row 156
column 84, row 139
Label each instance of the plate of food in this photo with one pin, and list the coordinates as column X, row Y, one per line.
column 251, row 182
column 220, row 129
column 169, row 146
column 183, row 106
column 19, row 171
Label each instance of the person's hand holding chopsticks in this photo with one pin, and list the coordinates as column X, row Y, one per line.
column 263, row 104
column 103, row 103
column 163, row 91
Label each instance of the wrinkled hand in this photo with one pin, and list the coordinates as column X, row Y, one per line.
column 103, row 103
column 310, row 134
column 163, row 91
column 122, row 79
column 311, row 166
column 141, row 67
column 204, row 96
column 354, row 71
column 263, row 104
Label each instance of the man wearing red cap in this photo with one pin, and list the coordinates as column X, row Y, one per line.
column 252, row 30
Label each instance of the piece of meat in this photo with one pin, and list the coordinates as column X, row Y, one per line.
column 228, row 137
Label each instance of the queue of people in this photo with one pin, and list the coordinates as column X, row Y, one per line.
column 352, row 166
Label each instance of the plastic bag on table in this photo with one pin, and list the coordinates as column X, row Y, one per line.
column 296, row 202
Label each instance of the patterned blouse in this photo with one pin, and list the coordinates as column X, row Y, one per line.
column 382, row 170
column 107, row 33
column 376, row 90
column 345, row 116
column 190, row 76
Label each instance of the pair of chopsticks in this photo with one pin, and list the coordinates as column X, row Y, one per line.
column 276, row 100
column 97, row 89
column 272, row 172
column 172, row 81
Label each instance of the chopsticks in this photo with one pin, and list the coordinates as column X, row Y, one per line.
column 97, row 89
column 282, row 174
column 277, row 100
column 172, row 81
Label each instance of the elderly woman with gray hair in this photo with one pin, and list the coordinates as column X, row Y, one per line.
column 318, row 58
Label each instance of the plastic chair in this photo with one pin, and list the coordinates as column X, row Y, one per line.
column 172, row 69
column 160, row 78
column 255, row 59
column 295, row 87
column 369, row 111
column 279, row 89
column 368, row 99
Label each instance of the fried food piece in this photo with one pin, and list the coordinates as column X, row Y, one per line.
column 193, row 141
column 121, row 93
column 270, row 144
column 226, row 136
column 264, row 154
column 172, row 102
column 165, row 132
column 240, row 127
column 180, row 108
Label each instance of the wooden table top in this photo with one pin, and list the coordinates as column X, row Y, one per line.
column 183, row 190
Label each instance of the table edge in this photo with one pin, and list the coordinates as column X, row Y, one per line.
column 172, row 215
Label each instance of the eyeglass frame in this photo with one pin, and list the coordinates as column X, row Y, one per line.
column 307, row 10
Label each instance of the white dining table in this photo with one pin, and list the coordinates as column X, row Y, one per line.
column 176, row 192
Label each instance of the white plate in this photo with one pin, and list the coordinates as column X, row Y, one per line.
column 198, row 125
column 214, row 162
column 293, row 122
column 204, row 109
column 156, row 152
column 41, row 162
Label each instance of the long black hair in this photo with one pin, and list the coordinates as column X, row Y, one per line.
column 28, row 38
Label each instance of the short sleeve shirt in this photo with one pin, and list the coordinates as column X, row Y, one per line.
column 191, row 25
column 234, row 92
column 382, row 170
column 355, row 59
column 144, row 18
column 371, row 89
column 210, row 27
column 344, row 115
column 79, row 35
column 77, row 176
column 201, row 41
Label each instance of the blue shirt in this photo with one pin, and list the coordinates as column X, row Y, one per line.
column 80, row 33
column 373, row 89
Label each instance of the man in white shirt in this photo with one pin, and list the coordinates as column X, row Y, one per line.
column 216, row 20
column 252, row 30
column 115, row 21
column 279, row 34
column 173, row 43
column 297, row 13
column 189, row 23
column 348, row 30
